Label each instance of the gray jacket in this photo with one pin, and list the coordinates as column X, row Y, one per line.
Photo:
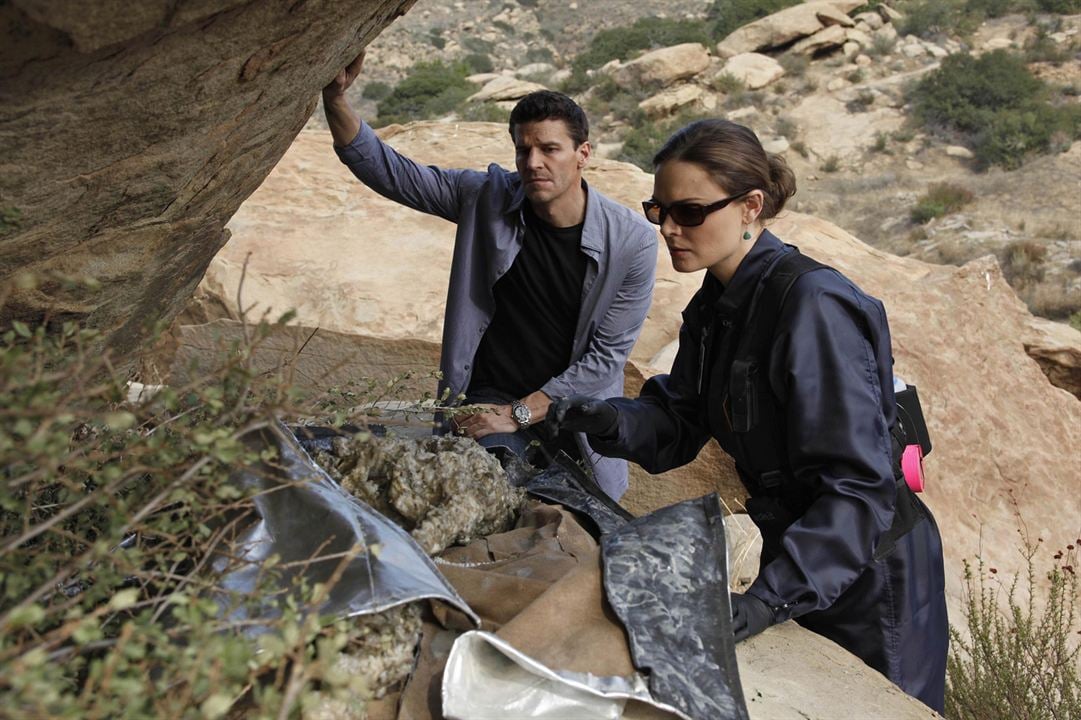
column 487, row 207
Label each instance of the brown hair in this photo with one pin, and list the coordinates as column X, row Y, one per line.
column 733, row 156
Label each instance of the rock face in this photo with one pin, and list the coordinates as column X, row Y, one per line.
column 753, row 69
column 664, row 66
column 133, row 131
column 1005, row 438
column 786, row 25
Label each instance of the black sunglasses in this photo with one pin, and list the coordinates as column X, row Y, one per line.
column 684, row 214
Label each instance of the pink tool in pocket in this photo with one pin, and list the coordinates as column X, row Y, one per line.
column 912, row 467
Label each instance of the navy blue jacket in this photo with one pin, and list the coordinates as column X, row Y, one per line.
column 830, row 374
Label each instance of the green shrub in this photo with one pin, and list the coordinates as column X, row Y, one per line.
column 727, row 83
column 608, row 98
column 376, row 90
column 1023, row 263
column 1021, row 662
column 881, row 144
column 10, row 220
column 483, row 112
column 831, row 164
column 479, row 62
column 940, row 199
column 727, row 16
column 1075, row 321
column 110, row 517
column 430, row 90
column 646, row 33
column 647, row 136
column 794, row 64
column 435, row 37
column 926, row 18
column 1061, row 7
column 996, row 104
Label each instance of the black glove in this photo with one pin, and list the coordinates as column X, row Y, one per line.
column 580, row 413
column 750, row 615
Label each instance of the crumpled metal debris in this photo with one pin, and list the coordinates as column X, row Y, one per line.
column 446, row 490
column 666, row 577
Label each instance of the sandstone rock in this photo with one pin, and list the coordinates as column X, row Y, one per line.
column 505, row 87
column 852, row 34
column 783, row 27
column 1003, row 433
column 958, row 151
column 754, row 70
column 829, row 37
column 776, row 145
column 482, row 78
column 836, row 84
column 889, row 14
column 663, row 66
column 1057, row 348
column 785, row 657
column 935, row 50
column 850, row 49
column 873, row 19
column 886, row 32
column 670, row 101
column 533, row 69
column 864, row 61
column 607, row 149
column 162, row 117
column 998, row 43
column 913, row 50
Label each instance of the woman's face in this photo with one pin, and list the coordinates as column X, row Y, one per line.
column 717, row 244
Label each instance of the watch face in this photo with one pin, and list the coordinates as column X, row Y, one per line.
column 520, row 413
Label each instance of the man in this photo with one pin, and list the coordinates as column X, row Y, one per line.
column 550, row 280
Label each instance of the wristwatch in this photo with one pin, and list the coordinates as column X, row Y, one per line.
column 520, row 413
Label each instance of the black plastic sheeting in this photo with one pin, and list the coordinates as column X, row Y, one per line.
column 666, row 577
column 318, row 530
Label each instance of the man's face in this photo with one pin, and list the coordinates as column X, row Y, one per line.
column 547, row 160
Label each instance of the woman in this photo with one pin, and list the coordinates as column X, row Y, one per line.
column 848, row 551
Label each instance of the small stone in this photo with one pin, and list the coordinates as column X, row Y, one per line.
column 776, row 146
column 850, row 48
column 914, row 164
column 836, row 84
column 863, row 60
column 959, row 152
column 998, row 43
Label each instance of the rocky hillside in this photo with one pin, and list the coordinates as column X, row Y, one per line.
column 828, row 84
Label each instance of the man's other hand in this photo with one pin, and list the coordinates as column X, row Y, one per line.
column 750, row 616
column 489, row 420
column 344, row 79
column 580, row 413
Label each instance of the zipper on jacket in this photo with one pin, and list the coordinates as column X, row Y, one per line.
column 702, row 357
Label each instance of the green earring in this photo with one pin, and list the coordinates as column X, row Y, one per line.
column 746, row 234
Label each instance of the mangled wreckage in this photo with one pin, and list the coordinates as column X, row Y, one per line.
column 494, row 590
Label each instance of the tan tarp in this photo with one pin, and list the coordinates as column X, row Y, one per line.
column 538, row 587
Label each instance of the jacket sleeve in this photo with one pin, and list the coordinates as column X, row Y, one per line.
column 426, row 188
column 830, row 366
column 616, row 331
column 663, row 428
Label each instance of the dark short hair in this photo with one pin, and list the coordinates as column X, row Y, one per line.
column 734, row 158
column 550, row 105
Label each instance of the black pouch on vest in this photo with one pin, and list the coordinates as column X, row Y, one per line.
column 910, row 419
column 743, row 396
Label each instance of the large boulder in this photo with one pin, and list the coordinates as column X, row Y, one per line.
column 664, row 66
column 133, row 131
column 754, row 70
column 785, row 26
column 1005, row 438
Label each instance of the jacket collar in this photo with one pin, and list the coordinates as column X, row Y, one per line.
column 726, row 301
column 593, row 227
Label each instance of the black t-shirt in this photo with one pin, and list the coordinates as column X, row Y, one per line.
column 531, row 336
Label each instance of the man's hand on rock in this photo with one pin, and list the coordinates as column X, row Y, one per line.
column 344, row 79
column 489, row 420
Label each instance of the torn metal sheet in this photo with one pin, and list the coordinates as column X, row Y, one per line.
column 486, row 678
column 666, row 577
column 319, row 531
column 565, row 483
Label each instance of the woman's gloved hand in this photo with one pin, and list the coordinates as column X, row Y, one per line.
column 750, row 615
column 581, row 413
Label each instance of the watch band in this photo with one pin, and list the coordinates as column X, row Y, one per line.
column 520, row 413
